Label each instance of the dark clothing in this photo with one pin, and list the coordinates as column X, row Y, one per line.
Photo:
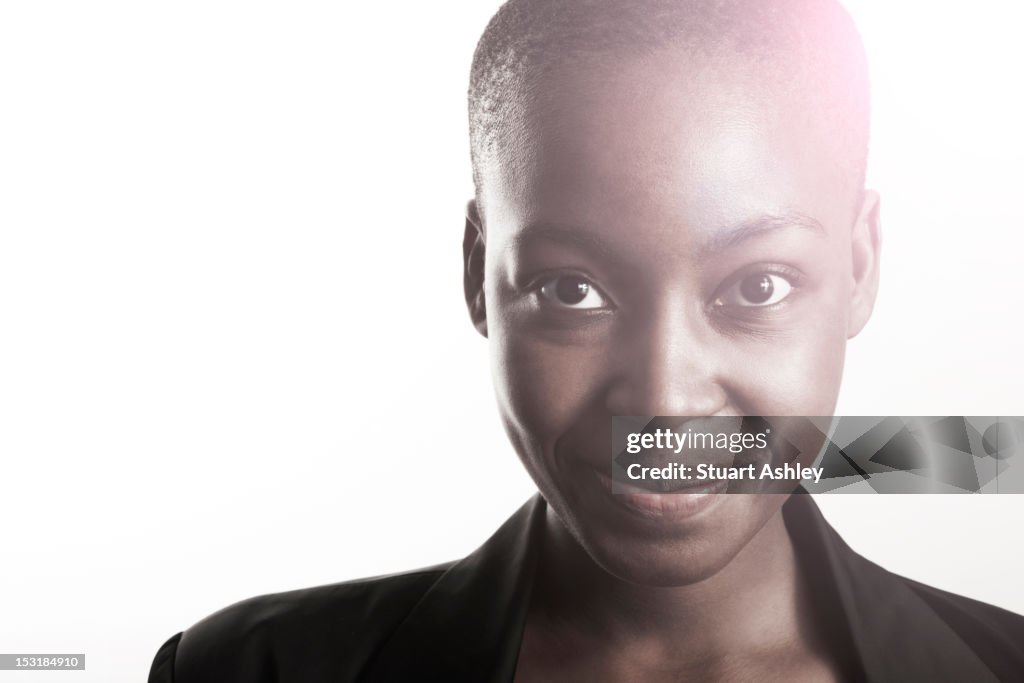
column 463, row 621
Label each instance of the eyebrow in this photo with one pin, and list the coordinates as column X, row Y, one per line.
column 567, row 234
column 757, row 227
column 726, row 238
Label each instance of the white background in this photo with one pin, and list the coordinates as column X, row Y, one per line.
column 230, row 273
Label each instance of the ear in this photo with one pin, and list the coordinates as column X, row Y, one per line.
column 866, row 244
column 473, row 267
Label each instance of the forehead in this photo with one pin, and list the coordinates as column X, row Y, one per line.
column 665, row 146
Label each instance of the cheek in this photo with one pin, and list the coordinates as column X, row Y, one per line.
column 798, row 374
column 543, row 387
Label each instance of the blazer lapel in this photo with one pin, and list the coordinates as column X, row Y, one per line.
column 468, row 626
column 896, row 634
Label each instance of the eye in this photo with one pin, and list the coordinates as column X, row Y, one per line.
column 572, row 292
column 760, row 289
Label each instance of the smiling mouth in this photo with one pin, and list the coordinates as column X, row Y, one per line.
column 671, row 506
column 662, row 486
column 657, row 487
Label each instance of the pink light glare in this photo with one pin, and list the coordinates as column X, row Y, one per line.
column 947, row 156
column 950, row 72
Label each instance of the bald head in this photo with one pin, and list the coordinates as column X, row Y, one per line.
column 805, row 55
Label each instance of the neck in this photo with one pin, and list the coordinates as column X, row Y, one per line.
column 753, row 603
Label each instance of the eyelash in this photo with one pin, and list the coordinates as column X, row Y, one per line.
column 792, row 276
column 538, row 282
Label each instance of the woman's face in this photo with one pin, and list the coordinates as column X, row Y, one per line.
column 665, row 244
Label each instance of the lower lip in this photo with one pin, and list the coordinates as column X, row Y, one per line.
column 673, row 506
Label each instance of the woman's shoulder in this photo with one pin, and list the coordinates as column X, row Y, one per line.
column 291, row 631
column 994, row 633
column 457, row 621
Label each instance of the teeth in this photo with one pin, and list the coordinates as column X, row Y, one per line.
column 664, row 485
column 668, row 485
column 677, row 485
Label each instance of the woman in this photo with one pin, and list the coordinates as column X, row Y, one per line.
column 670, row 219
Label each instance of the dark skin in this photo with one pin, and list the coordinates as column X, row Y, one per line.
column 665, row 239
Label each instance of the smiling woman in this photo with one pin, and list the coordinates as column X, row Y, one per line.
column 235, row 360
column 670, row 219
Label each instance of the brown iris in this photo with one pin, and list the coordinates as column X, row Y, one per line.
column 757, row 289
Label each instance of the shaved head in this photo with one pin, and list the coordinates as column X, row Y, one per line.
column 805, row 55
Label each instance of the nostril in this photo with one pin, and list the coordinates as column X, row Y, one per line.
column 687, row 398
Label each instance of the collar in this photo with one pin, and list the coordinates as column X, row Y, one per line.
column 468, row 626
column 895, row 634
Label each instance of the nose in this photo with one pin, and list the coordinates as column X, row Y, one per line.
column 666, row 364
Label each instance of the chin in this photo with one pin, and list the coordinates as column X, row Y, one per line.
column 668, row 551
column 662, row 563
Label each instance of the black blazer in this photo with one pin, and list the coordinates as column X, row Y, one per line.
column 463, row 621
